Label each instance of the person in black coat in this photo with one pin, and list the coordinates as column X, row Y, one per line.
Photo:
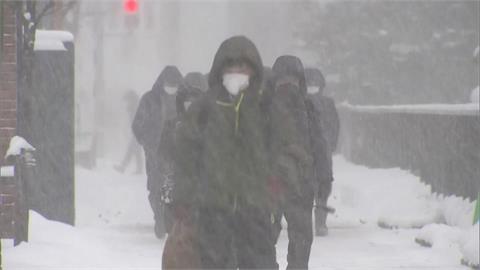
column 156, row 107
column 291, row 156
column 327, row 118
column 194, row 84
column 222, row 166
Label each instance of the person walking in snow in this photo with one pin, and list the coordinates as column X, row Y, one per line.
column 181, row 247
column 133, row 151
column 194, row 84
column 155, row 108
column 222, row 164
column 291, row 157
column 325, row 114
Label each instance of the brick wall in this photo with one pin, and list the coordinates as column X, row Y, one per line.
column 8, row 79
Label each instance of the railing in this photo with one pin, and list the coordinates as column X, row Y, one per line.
column 439, row 143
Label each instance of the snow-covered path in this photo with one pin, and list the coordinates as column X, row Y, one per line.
column 114, row 226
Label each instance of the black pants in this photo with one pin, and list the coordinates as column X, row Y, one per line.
column 240, row 239
column 298, row 213
column 154, row 185
column 254, row 243
column 321, row 198
column 215, row 238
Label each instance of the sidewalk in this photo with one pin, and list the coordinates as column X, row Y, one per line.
column 115, row 226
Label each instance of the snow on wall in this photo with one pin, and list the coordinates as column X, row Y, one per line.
column 49, row 45
column 447, row 109
column 63, row 36
column 48, row 40
column 17, row 143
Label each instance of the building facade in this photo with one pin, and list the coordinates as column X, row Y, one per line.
column 8, row 76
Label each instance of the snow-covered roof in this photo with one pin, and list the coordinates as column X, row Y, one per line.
column 51, row 40
column 448, row 109
column 63, row 36
column 17, row 143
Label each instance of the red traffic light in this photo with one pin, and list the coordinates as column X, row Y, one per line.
column 130, row 6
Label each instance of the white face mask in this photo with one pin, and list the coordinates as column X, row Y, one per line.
column 235, row 82
column 313, row 89
column 171, row 90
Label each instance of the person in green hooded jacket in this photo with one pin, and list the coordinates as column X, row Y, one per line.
column 222, row 167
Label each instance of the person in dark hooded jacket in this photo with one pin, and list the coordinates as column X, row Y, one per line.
column 291, row 156
column 222, row 163
column 327, row 119
column 329, row 115
column 155, row 108
column 194, row 84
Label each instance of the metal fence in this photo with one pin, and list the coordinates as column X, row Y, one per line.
column 440, row 144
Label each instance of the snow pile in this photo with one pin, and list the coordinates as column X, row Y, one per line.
column 464, row 240
column 456, row 232
column 392, row 198
column 54, row 245
column 470, row 246
column 444, row 109
column 114, row 228
column 474, row 96
column 439, row 235
column 456, row 211
column 18, row 143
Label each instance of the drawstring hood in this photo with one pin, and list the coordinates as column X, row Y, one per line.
column 234, row 49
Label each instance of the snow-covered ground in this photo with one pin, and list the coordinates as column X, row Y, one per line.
column 115, row 227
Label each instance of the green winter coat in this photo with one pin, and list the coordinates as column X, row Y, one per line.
column 221, row 159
